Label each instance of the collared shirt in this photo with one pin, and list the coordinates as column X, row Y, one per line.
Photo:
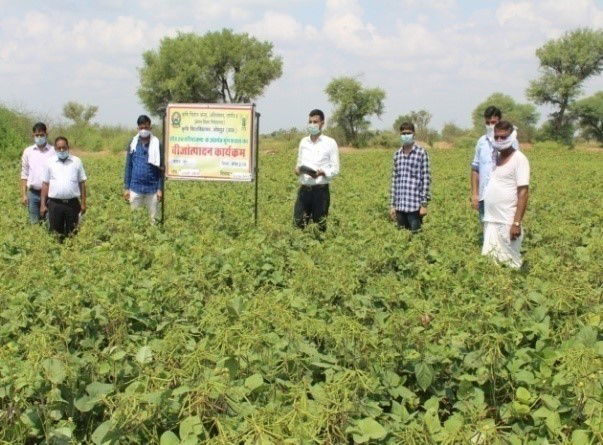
column 484, row 162
column 320, row 155
column 64, row 177
column 140, row 176
column 32, row 164
column 411, row 180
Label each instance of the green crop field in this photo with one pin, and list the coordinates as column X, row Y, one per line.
column 214, row 331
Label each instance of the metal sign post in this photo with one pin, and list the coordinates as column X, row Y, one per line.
column 256, row 166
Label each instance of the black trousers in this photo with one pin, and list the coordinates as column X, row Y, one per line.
column 312, row 203
column 409, row 220
column 63, row 215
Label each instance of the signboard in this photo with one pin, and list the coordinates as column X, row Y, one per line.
column 214, row 142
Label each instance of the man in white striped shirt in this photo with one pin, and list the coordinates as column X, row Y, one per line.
column 33, row 161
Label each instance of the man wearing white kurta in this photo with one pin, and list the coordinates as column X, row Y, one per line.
column 317, row 165
column 506, row 199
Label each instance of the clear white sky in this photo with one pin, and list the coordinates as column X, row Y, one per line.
column 445, row 56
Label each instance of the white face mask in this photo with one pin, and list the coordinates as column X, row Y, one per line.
column 505, row 143
column 490, row 131
column 144, row 133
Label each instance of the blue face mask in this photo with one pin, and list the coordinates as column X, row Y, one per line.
column 407, row 139
column 40, row 140
column 313, row 129
column 62, row 155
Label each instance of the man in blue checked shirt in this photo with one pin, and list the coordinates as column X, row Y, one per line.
column 143, row 178
column 410, row 182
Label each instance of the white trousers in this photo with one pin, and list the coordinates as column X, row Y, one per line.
column 138, row 200
column 498, row 244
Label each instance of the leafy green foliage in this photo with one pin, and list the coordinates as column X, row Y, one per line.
column 523, row 116
column 566, row 63
column 212, row 331
column 15, row 133
column 353, row 105
column 78, row 113
column 219, row 66
column 589, row 113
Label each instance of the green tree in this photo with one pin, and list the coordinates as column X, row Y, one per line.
column 78, row 113
column 451, row 132
column 565, row 63
column 523, row 116
column 589, row 114
column 353, row 104
column 218, row 66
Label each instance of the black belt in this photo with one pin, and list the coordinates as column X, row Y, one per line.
column 64, row 201
column 35, row 191
column 315, row 187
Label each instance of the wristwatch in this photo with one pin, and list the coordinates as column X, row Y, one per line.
column 517, row 224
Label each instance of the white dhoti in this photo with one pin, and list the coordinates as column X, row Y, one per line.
column 498, row 244
column 150, row 201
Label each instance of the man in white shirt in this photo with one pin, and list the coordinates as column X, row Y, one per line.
column 64, row 185
column 317, row 165
column 484, row 160
column 506, row 199
column 33, row 161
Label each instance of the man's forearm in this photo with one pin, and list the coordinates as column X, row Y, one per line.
column 44, row 193
column 23, row 187
column 474, row 182
column 522, row 203
column 83, row 193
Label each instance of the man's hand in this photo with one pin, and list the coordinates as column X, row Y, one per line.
column 422, row 211
column 127, row 195
column 43, row 209
column 159, row 195
column 392, row 213
column 515, row 232
column 24, row 200
column 83, row 209
column 475, row 202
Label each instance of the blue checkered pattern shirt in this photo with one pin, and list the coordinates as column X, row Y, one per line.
column 140, row 176
column 410, row 180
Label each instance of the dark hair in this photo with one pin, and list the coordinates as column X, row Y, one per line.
column 491, row 112
column 504, row 125
column 407, row 126
column 143, row 119
column 317, row 112
column 61, row 138
column 40, row 126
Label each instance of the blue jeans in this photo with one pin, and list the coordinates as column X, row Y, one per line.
column 481, row 211
column 409, row 220
column 33, row 206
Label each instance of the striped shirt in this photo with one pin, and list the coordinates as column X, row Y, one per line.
column 411, row 179
column 140, row 176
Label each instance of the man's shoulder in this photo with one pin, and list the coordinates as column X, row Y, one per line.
column 28, row 149
column 520, row 157
column 420, row 150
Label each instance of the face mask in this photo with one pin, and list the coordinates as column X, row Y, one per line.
column 407, row 139
column 313, row 129
column 505, row 143
column 62, row 155
column 490, row 131
column 40, row 140
column 144, row 133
